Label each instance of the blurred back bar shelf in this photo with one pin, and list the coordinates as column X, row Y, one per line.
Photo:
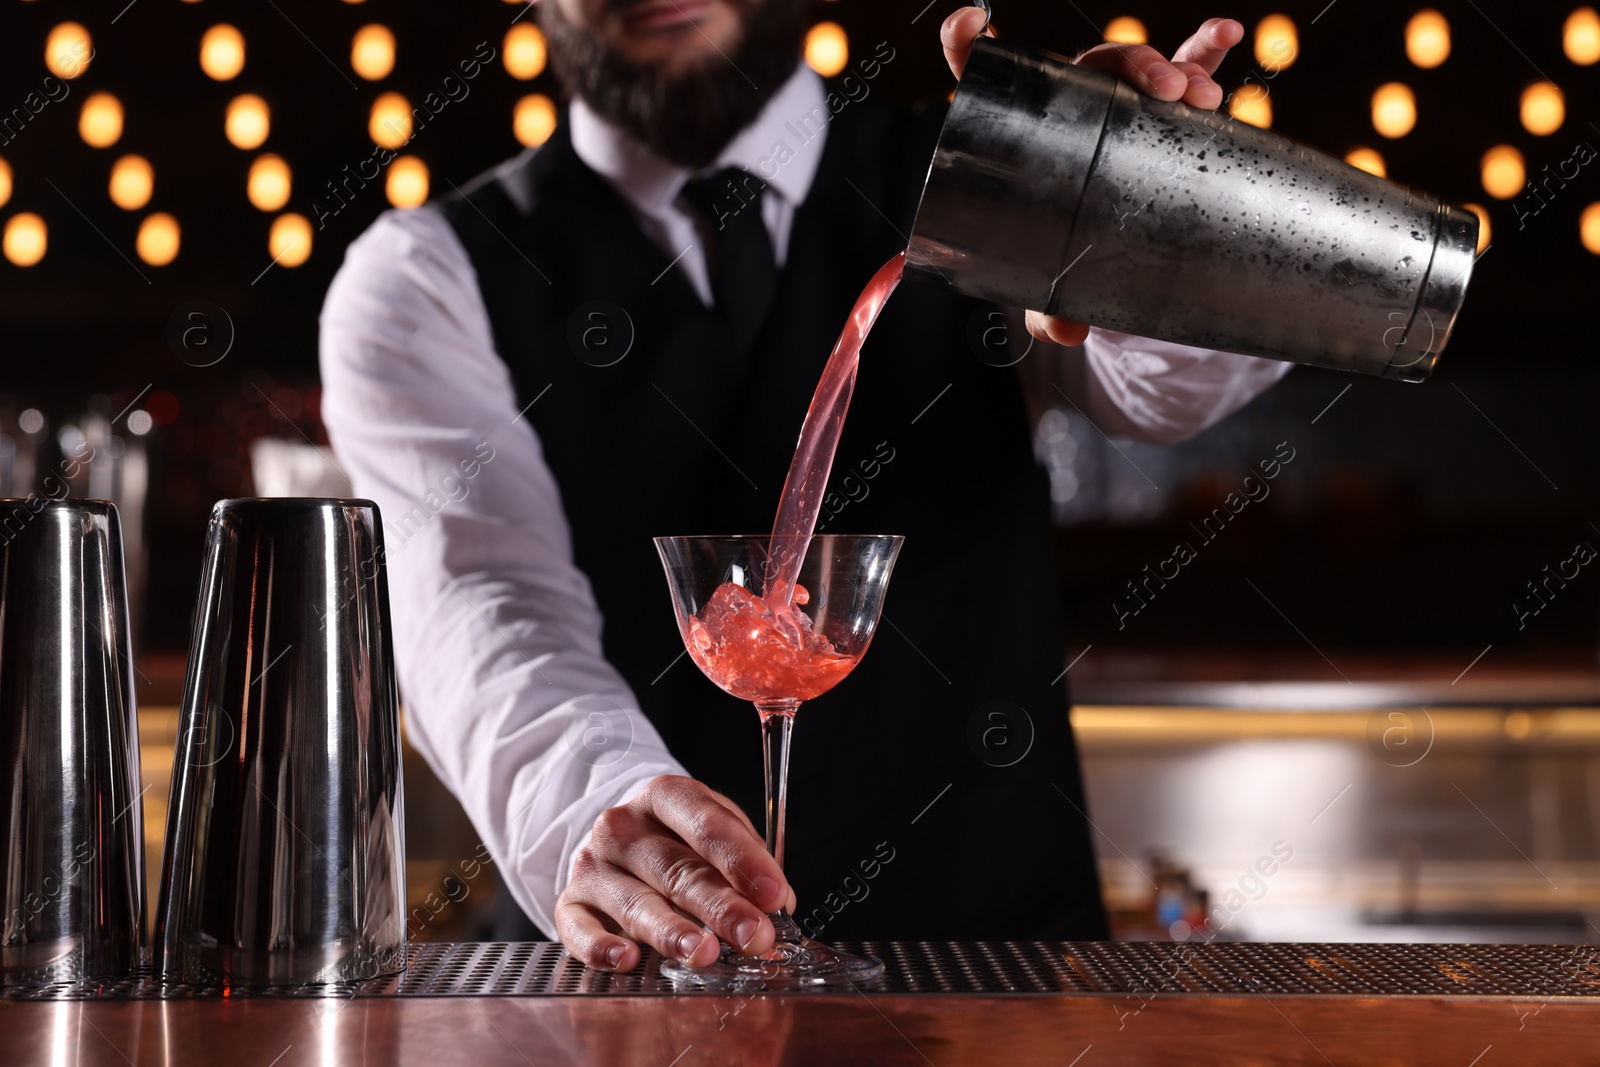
column 1409, row 808
column 1406, row 799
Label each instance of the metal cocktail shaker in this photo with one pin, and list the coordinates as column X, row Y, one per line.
column 72, row 869
column 285, row 855
column 1064, row 190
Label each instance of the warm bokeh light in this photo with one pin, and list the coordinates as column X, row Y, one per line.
column 534, row 120
column 827, row 48
column 1589, row 227
column 1367, row 159
column 1428, row 39
column 132, row 182
column 269, row 182
column 372, row 52
column 1580, row 38
column 100, row 121
column 222, row 52
column 407, row 183
column 289, row 241
column 1394, row 109
column 67, row 50
column 1277, row 42
column 248, row 123
column 1126, row 30
column 5, row 182
column 1544, row 108
column 25, row 239
column 1503, row 172
column 390, row 123
column 1484, row 229
column 524, row 51
column 157, row 243
column 1251, row 104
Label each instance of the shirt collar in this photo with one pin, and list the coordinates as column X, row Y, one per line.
column 774, row 148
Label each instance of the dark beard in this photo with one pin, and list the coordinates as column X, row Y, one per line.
column 690, row 118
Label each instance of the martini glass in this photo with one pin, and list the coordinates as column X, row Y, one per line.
column 776, row 647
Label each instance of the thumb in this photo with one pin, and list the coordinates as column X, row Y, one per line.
column 1063, row 332
column 958, row 33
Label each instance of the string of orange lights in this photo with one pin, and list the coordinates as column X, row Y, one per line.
column 247, row 124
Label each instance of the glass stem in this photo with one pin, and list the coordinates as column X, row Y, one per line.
column 777, row 722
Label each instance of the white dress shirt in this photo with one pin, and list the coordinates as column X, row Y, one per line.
column 497, row 634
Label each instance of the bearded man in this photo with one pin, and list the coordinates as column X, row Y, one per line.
column 615, row 336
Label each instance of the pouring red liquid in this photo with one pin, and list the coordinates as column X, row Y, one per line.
column 761, row 647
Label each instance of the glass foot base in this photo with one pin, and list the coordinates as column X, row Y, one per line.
column 797, row 965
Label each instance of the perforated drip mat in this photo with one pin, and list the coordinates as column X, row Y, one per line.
column 1106, row 968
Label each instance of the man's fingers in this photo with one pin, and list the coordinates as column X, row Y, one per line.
column 688, row 809
column 1209, row 44
column 583, row 930
column 957, row 35
column 1141, row 66
column 700, row 890
column 646, row 916
column 1057, row 331
column 737, row 811
column 789, row 901
column 1203, row 91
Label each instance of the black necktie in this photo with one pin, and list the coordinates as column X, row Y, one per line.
column 744, row 273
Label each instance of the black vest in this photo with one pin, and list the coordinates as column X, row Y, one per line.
column 902, row 821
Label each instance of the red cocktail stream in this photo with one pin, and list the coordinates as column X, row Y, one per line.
column 763, row 648
column 801, row 501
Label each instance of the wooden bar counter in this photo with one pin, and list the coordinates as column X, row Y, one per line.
column 1008, row 1004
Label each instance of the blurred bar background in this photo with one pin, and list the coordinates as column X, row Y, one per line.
column 178, row 181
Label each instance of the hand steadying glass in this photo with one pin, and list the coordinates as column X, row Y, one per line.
column 776, row 646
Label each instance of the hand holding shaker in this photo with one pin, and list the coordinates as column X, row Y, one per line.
column 285, row 856
column 1059, row 188
column 72, row 869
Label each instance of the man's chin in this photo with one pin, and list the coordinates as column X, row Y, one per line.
column 697, row 96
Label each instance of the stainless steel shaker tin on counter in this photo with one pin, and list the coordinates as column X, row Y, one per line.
column 72, row 870
column 285, row 852
column 1058, row 188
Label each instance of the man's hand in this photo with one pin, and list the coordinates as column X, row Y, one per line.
column 1186, row 76
column 676, row 847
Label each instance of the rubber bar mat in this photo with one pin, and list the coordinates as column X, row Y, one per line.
column 1129, row 968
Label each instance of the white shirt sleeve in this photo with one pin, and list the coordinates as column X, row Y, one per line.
column 497, row 635
column 1158, row 391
